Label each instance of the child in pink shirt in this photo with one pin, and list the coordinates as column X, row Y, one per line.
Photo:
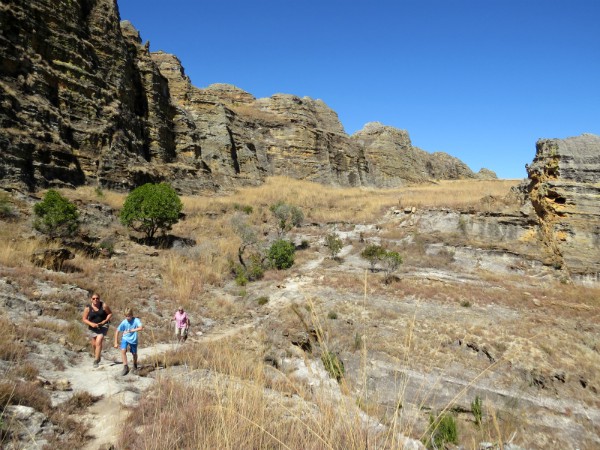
column 182, row 324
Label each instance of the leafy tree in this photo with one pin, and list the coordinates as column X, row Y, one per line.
column 287, row 216
column 281, row 254
column 56, row 216
column 150, row 208
column 373, row 253
column 390, row 261
column 334, row 244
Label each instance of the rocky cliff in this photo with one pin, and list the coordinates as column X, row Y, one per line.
column 564, row 188
column 84, row 101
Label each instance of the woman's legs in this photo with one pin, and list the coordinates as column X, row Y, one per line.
column 99, row 341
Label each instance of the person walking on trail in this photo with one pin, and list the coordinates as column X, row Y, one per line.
column 182, row 324
column 130, row 328
column 97, row 317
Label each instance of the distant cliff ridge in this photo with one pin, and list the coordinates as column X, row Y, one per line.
column 84, row 101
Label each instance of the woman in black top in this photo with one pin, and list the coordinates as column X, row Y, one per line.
column 97, row 317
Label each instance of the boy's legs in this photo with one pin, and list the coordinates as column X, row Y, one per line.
column 124, row 356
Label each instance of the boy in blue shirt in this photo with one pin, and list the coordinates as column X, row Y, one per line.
column 129, row 327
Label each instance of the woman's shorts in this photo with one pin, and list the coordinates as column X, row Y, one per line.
column 181, row 332
column 98, row 331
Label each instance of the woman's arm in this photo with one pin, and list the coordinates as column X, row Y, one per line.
column 108, row 314
column 84, row 318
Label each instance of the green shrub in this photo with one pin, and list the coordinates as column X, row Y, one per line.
column 287, row 216
column 373, row 253
column 56, row 216
column 246, row 209
column 332, row 315
column 333, row 365
column 150, row 208
column 391, row 261
column 6, row 207
column 477, row 410
column 263, row 300
column 281, row 254
column 255, row 270
column 443, row 431
column 241, row 279
column 334, row 244
column 304, row 244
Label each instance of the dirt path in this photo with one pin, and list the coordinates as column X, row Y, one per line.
column 119, row 392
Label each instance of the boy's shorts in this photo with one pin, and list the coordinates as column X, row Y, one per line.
column 132, row 347
column 181, row 331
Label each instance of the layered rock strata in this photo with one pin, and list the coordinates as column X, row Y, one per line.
column 84, row 101
column 564, row 188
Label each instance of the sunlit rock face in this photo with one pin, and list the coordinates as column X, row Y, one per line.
column 565, row 192
column 85, row 101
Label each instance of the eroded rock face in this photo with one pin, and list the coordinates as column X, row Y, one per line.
column 564, row 190
column 393, row 160
column 84, row 101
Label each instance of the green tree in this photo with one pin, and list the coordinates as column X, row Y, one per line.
column 334, row 244
column 287, row 216
column 281, row 254
column 390, row 261
column 150, row 208
column 373, row 253
column 56, row 216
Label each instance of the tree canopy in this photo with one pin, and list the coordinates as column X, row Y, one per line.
column 150, row 208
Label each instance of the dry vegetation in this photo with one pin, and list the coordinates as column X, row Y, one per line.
column 518, row 332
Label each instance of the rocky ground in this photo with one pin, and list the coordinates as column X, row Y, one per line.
column 456, row 323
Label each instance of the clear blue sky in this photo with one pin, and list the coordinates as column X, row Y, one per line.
column 481, row 80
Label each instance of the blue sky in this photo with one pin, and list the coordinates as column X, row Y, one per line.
column 481, row 80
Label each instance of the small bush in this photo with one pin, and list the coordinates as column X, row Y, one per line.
column 373, row 253
column 304, row 244
column 443, row 431
column 6, row 207
column 333, row 365
column 465, row 304
column 56, row 216
column 390, row 261
column 281, row 254
column 334, row 244
column 287, row 216
column 246, row 209
column 332, row 315
column 477, row 410
column 263, row 300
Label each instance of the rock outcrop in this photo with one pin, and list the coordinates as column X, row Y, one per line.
column 84, row 101
column 392, row 159
column 564, row 189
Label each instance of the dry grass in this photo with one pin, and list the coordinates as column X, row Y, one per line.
column 90, row 194
column 322, row 203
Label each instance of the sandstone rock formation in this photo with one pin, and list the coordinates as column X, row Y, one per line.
column 564, row 190
column 84, row 101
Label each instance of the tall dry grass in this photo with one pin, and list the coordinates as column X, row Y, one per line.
column 322, row 203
